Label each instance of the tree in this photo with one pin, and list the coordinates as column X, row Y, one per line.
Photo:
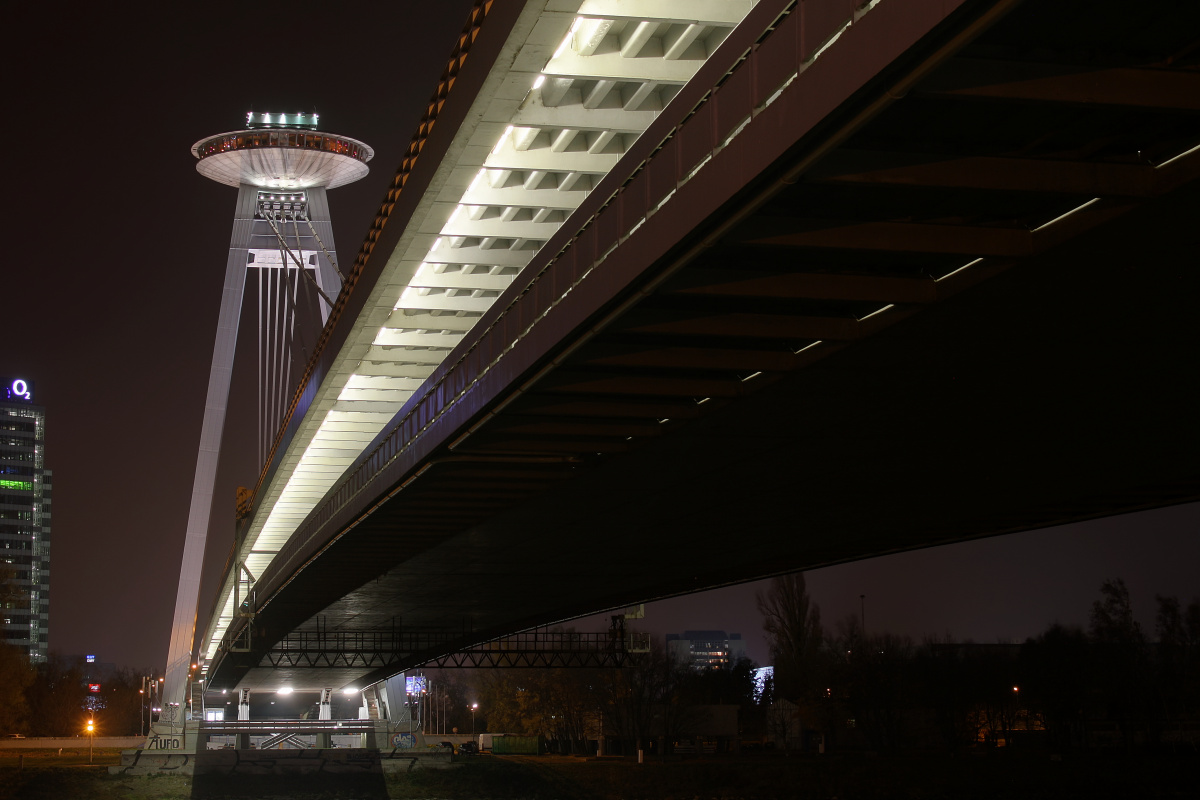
column 792, row 623
column 1178, row 657
column 950, row 681
column 16, row 676
column 122, row 702
column 1122, row 662
column 1057, row 680
column 874, row 677
column 511, row 700
column 734, row 686
column 1112, row 619
column 571, row 713
column 57, row 697
column 645, row 700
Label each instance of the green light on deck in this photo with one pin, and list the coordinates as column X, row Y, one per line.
column 256, row 119
column 8, row 483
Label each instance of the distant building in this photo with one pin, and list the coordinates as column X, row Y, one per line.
column 761, row 676
column 24, row 519
column 97, row 671
column 706, row 649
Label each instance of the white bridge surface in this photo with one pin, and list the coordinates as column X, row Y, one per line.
column 896, row 161
column 575, row 85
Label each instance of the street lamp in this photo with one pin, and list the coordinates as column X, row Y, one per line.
column 91, row 732
column 473, row 707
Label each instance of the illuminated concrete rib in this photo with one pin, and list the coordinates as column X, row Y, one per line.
column 575, row 84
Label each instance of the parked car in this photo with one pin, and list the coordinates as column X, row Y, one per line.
column 446, row 746
column 468, row 749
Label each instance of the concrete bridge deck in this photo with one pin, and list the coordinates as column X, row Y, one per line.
column 922, row 283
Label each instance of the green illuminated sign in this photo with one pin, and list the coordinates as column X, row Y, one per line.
column 7, row 483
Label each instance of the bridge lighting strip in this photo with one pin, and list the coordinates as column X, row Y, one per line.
column 873, row 313
column 1173, row 159
column 960, row 269
column 1061, row 217
column 602, row 257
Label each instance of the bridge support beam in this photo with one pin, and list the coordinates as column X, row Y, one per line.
column 249, row 243
column 183, row 627
column 243, row 737
column 195, row 734
column 326, row 707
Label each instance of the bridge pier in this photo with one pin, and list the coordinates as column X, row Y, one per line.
column 326, row 706
column 195, row 734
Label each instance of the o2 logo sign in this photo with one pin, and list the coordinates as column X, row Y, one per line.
column 17, row 389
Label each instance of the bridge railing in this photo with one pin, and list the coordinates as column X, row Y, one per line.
column 294, row 726
column 753, row 67
column 344, row 306
column 349, row 301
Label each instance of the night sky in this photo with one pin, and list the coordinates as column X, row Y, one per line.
column 117, row 251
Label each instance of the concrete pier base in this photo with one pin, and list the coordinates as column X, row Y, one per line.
column 154, row 762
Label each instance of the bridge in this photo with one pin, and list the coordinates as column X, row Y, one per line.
column 672, row 294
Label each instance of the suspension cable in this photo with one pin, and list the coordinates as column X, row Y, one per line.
column 299, row 264
column 324, row 249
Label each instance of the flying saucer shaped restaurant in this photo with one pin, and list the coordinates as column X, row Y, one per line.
column 282, row 151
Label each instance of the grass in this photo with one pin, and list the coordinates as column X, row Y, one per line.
column 50, row 757
column 989, row 777
column 46, row 775
column 994, row 776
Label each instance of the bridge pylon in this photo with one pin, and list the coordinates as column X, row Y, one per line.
column 281, row 253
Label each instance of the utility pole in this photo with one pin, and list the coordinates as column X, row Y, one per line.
column 862, row 599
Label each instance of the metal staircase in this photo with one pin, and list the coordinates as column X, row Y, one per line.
column 196, row 701
column 285, row 740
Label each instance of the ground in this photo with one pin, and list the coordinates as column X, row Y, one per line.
column 45, row 775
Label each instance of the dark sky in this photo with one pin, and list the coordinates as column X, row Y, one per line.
column 1005, row 588
column 116, row 256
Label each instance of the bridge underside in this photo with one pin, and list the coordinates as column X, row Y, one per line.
column 823, row 382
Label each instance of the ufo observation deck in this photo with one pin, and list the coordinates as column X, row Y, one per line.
column 282, row 158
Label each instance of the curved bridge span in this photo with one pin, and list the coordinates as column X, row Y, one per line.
column 661, row 303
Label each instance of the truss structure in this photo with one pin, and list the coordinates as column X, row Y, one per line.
column 405, row 649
